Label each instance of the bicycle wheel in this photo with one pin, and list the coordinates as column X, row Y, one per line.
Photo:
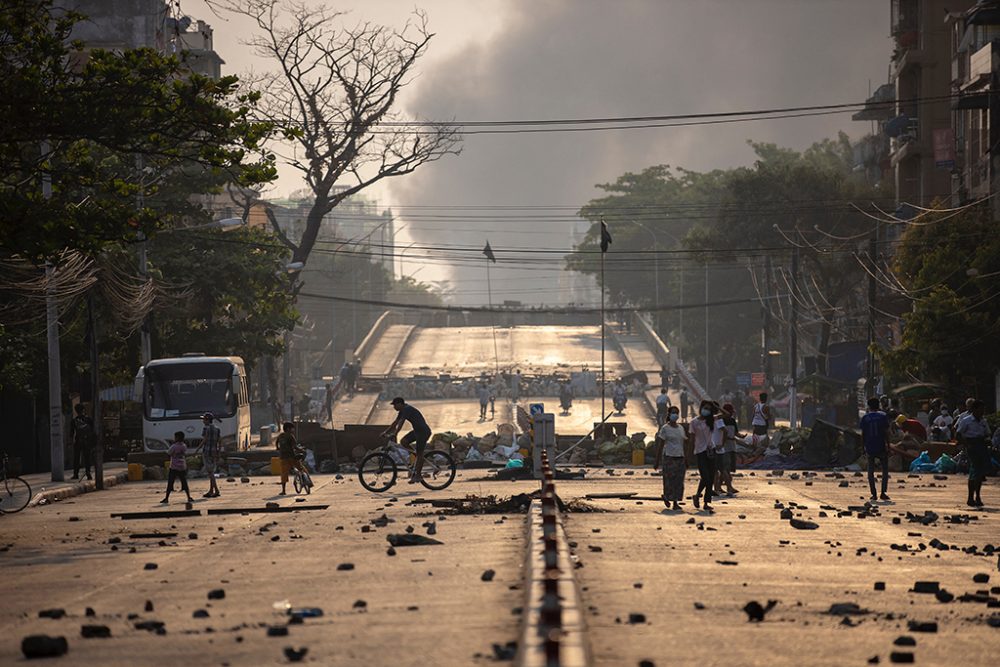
column 438, row 471
column 377, row 472
column 14, row 495
column 297, row 481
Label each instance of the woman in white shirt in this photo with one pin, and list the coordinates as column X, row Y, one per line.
column 671, row 454
column 703, row 428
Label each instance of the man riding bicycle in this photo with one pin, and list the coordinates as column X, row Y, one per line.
column 420, row 434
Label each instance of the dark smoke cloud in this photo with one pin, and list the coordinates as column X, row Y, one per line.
column 575, row 58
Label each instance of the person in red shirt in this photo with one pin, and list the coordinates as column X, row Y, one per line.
column 911, row 427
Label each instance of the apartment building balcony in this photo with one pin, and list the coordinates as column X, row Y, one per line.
column 879, row 106
column 907, row 60
column 907, row 148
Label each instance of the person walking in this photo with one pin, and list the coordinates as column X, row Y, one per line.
column 328, row 403
column 973, row 433
column 672, row 437
column 84, row 438
column 662, row 406
column 483, row 393
column 726, row 458
column 761, row 420
column 664, row 377
column 286, row 444
column 703, row 428
column 211, row 452
column 178, row 467
column 875, row 437
column 685, row 402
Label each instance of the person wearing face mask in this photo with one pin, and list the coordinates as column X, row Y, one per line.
column 703, row 428
column 671, row 455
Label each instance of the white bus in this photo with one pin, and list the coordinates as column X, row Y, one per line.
column 175, row 393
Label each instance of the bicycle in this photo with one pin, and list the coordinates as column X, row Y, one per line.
column 379, row 468
column 301, row 480
column 15, row 493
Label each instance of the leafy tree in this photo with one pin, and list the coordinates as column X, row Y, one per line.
column 104, row 129
column 733, row 221
column 948, row 265
column 235, row 299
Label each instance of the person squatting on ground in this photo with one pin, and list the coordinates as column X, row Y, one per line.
column 286, row 445
column 178, row 467
column 973, row 433
column 671, row 456
column 420, row 434
column 703, row 427
column 875, row 437
column 84, row 438
column 211, row 452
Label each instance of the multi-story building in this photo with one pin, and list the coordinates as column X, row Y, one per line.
column 975, row 37
column 922, row 148
column 133, row 24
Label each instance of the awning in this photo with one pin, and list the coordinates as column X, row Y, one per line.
column 972, row 101
column 919, row 390
column 120, row 393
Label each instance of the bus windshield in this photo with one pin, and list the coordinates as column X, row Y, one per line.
column 189, row 389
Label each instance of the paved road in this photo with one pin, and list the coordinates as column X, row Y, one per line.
column 54, row 561
column 468, row 351
column 664, row 565
column 417, row 602
column 462, row 415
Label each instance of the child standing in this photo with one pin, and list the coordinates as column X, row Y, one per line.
column 178, row 467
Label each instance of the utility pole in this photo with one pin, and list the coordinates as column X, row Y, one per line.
column 708, row 381
column 793, row 408
column 765, row 314
column 872, row 249
column 95, row 390
column 56, row 445
column 145, row 345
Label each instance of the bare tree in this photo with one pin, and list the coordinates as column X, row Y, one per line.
column 333, row 91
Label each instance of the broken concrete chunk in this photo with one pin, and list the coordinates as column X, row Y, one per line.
column 217, row 594
column 54, row 614
column 488, row 575
column 922, row 626
column 43, row 646
column 295, row 654
column 800, row 524
column 410, row 540
column 847, row 609
column 95, row 631
column 929, row 587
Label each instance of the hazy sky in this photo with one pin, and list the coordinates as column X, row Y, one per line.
column 517, row 59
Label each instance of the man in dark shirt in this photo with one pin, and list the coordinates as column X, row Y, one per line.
column 874, row 435
column 420, row 434
column 82, row 430
column 286, row 445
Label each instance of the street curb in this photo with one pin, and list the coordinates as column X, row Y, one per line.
column 554, row 628
column 85, row 486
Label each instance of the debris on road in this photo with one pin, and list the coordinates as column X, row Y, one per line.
column 295, row 654
column 755, row 611
column 95, row 631
column 43, row 646
column 410, row 540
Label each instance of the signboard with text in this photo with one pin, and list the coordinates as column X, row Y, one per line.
column 758, row 379
column 743, row 379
